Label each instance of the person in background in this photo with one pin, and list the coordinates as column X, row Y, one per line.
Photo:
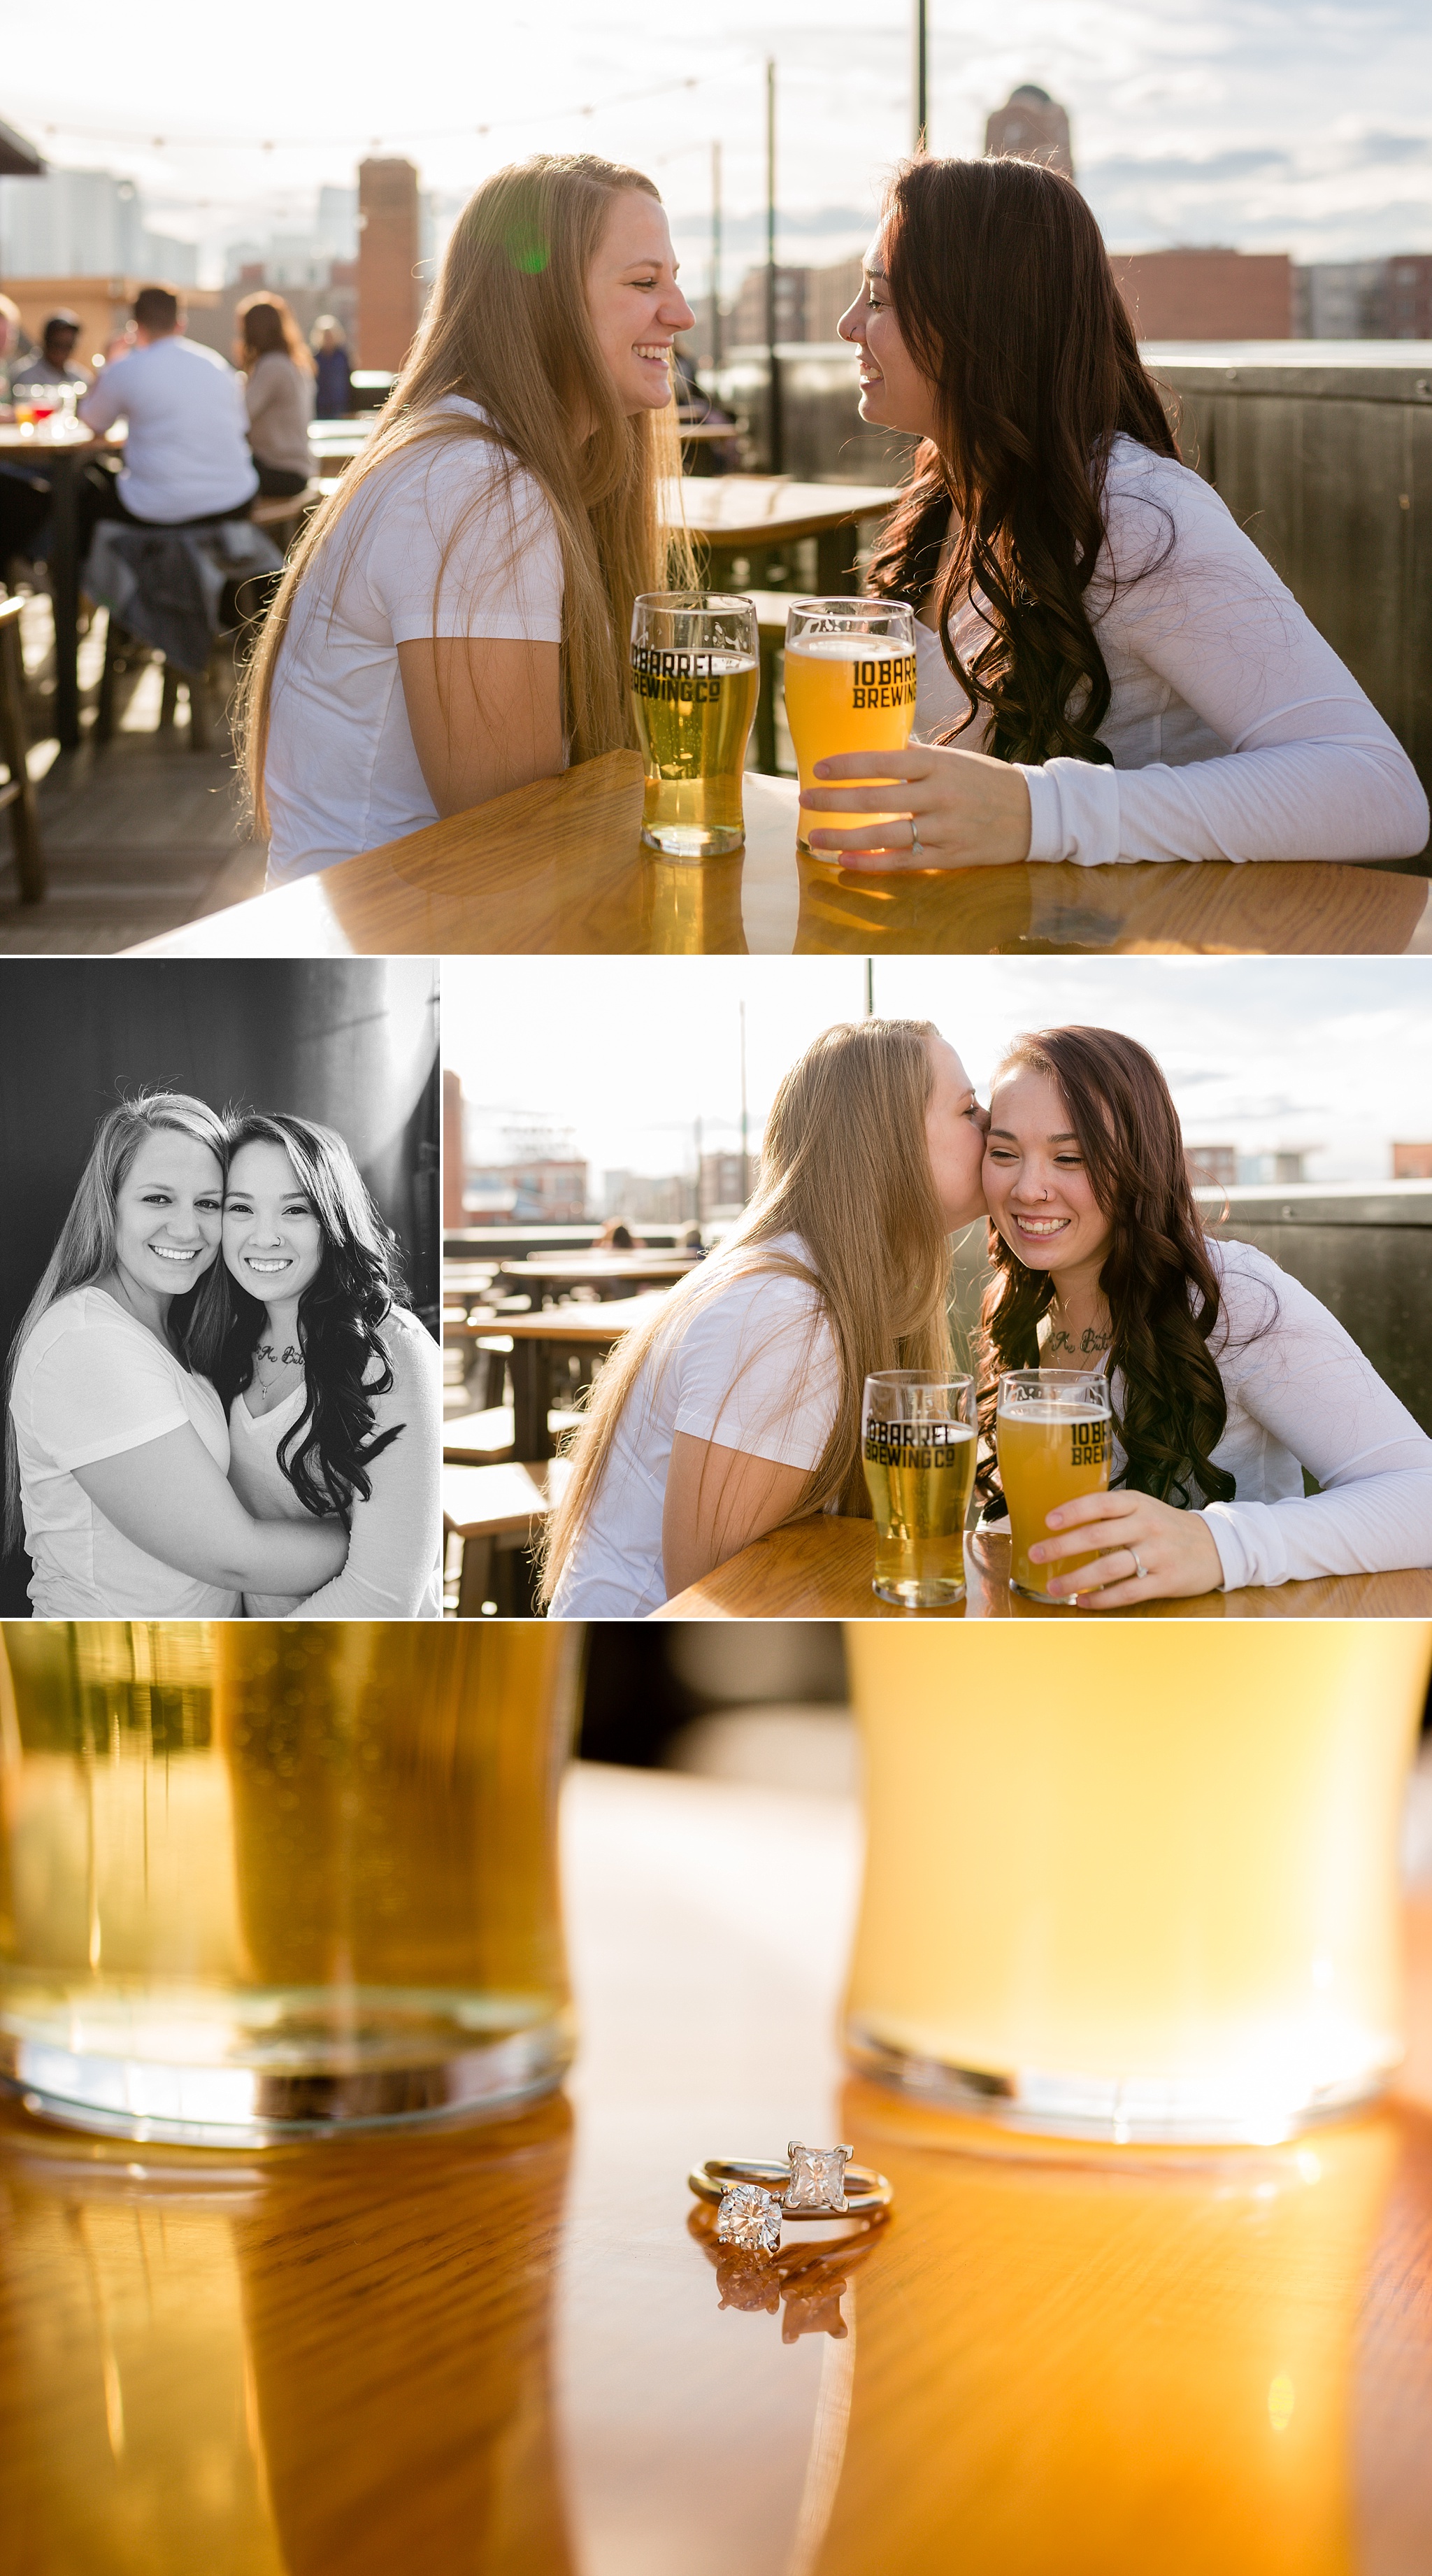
column 330, row 357
column 12, row 332
column 24, row 492
column 187, row 458
column 616, row 1236
column 279, row 392
column 57, row 348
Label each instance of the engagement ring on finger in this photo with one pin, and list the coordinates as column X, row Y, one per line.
column 1141, row 1571
column 753, row 2195
column 916, row 851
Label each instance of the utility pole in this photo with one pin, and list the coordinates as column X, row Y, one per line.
column 745, row 1156
column 921, row 80
column 696, row 1211
column 715, row 254
column 774, row 440
column 870, row 988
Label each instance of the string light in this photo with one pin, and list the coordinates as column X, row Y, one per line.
column 326, row 142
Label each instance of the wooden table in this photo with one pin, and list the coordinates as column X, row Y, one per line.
column 822, row 1568
column 61, row 448
column 755, row 518
column 558, row 870
column 610, row 1273
column 536, row 1341
column 502, row 2350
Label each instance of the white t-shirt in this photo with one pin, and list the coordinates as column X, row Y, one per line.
column 1301, row 1394
column 756, row 1369
column 341, row 774
column 394, row 1563
column 90, row 1383
column 187, row 453
column 1235, row 731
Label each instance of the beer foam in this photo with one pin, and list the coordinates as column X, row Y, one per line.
column 852, row 648
column 1053, row 1408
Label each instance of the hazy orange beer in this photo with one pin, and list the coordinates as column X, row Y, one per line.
column 1054, row 1439
column 850, row 686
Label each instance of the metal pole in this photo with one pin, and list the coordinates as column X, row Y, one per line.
column 870, row 988
column 715, row 254
column 774, row 440
column 745, row 1157
column 697, row 1209
column 921, row 82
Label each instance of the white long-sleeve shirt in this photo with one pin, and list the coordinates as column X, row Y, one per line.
column 1300, row 1394
column 394, row 1564
column 1235, row 731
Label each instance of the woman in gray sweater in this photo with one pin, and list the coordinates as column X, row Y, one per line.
column 279, row 392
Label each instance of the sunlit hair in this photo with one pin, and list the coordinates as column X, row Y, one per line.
column 845, row 1167
column 508, row 328
column 327, row 1453
column 86, row 1245
column 1006, row 301
column 267, row 327
column 1161, row 1287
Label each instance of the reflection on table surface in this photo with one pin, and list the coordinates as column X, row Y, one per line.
column 559, row 869
column 823, row 1568
column 507, row 2349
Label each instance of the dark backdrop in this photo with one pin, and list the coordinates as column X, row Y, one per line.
column 352, row 1042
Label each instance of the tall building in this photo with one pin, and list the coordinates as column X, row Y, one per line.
column 452, row 1150
column 86, row 223
column 1031, row 126
column 390, row 294
column 1366, row 299
column 1207, row 294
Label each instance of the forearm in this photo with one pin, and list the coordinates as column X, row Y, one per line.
column 1303, row 800
column 1379, row 1525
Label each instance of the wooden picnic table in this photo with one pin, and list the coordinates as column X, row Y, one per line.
column 553, row 1271
column 558, row 869
column 823, row 1568
column 536, row 1342
column 755, row 518
column 509, row 2345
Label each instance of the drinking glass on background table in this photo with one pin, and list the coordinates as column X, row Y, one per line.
column 695, row 675
column 919, row 1453
column 1054, row 1438
column 258, row 1878
column 1135, row 1881
column 850, row 686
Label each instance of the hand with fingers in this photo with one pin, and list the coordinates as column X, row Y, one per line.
column 957, row 809
column 1153, row 1552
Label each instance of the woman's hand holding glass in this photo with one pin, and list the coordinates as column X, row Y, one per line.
column 1175, row 1548
column 967, row 811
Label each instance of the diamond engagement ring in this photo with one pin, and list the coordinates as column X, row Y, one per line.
column 1141, row 1571
column 916, row 847
column 753, row 2195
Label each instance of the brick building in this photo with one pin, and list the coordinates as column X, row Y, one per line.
column 1193, row 294
column 1412, row 1162
column 390, row 294
column 1031, row 126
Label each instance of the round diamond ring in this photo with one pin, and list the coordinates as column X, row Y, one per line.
column 753, row 2195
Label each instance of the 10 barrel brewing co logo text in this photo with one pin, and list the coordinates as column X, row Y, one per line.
column 887, row 682
column 915, row 1444
column 677, row 679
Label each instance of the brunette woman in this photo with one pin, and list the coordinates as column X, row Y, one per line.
column 278, row 394
column 116, row 1443
column 738, row 1407
column 1227, row 1377
column 333, row 1389
column 1108, row 667
column 455, row 620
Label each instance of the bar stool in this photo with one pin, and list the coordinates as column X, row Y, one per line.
column 18, row 791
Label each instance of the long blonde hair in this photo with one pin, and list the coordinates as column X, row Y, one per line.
column 85, row 1247
column 844, row 1167
column 508, row 328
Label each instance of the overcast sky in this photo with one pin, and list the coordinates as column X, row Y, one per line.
column 625, row 1054
column 1300, row 125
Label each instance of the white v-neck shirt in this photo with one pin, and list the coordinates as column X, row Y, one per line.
column 1235, row 731
column 91, row 1383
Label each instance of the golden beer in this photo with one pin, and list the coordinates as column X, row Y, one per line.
column 846, row 693
column 695, row 678
column 257, row 1876
column 920, row 1477
column 1053, row 1446
column 1140, row 1878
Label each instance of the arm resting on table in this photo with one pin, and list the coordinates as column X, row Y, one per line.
column 485, row 715
column 169, row 1498
column 717, row 1501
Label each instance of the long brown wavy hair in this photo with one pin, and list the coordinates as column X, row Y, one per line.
column 1004, row 295
column 1161, row 1286
column 846, row 1168
column 508, row 328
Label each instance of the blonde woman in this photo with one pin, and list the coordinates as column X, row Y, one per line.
column 738, row 1407
column 454, row 622
column 278, row 394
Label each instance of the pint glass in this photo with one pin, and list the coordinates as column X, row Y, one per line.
column 261, row 1878
column 850, row 686
column 1053, row 1436
column 1139, row 1880
column 695, row 672
column 919, row 1451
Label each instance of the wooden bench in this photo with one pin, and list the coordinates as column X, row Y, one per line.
column 18, row 792
column 287, row 511
column 493, row 1512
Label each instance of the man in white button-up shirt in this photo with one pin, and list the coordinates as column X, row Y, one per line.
column 187, row 454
